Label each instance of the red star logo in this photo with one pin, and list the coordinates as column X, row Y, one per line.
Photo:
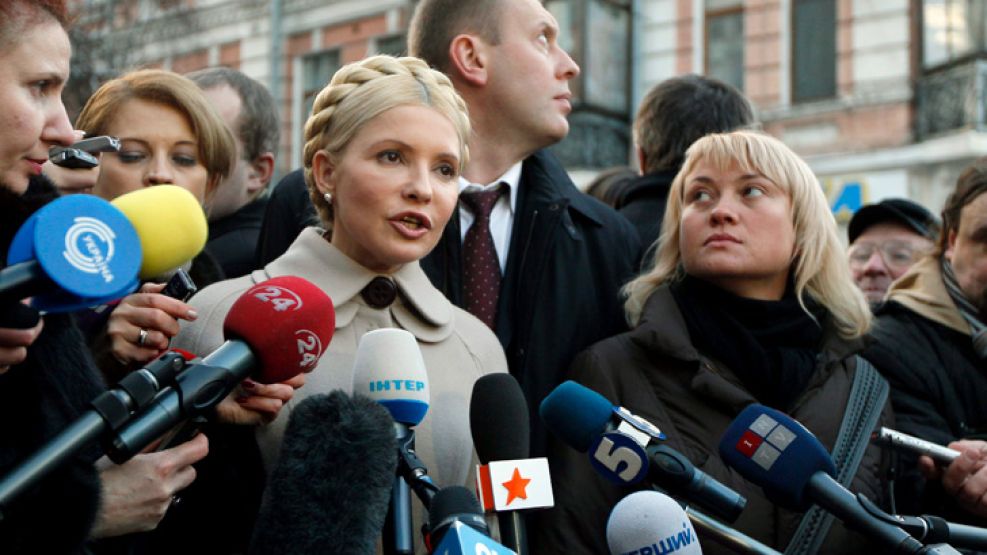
column 516, row 486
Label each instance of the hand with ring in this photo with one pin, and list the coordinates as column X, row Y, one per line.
column 142, row 325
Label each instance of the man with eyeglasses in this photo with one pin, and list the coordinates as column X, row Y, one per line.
column 930, row 342
column 886, row 238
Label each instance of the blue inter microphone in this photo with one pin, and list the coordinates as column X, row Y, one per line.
column 389, row 369
column 76, row 251
column 772, row 450
column 626, row 449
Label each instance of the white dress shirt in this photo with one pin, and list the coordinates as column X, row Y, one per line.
column 502, row 215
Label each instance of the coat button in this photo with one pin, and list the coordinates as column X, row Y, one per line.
column 380, row 292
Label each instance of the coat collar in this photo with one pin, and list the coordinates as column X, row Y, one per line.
column 922, row 290
column 419, row 308
column 544, row 178
column 662, row 328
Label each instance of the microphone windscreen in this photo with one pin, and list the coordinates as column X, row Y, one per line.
column 330, row 489
column 287, row 322
column 499, row 419
column 171, row 225
column 772, row 450
column 576, row 414
column 650, row 522
column 389, row 369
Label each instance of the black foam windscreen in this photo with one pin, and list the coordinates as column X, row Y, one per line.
column 330, row 489
column 499, row 419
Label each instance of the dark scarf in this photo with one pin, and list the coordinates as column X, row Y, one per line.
column 978, row 330
column 770, row 345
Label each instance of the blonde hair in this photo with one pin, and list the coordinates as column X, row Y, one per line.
column 819, row 262
column 361, row 91
column 217, row 148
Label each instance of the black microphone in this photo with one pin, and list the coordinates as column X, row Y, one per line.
column 456, row 525
column 110, row 412
column 930, row 528
column 501, row 432
column 330, row 488
column 625, row 449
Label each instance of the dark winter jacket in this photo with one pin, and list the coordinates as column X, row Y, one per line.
column 289, row 211
column 643, row 204
column 233, row 239
column 657, row 373
column 569, row 256
column 38, row 399
column 938, row 385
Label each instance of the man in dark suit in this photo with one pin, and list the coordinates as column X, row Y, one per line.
column 540, row 262
column 236, row 211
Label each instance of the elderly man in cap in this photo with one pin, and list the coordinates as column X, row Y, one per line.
column 930, row 341
column 886, row 238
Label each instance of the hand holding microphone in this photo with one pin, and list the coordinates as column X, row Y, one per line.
column 138, row 493
column 143, row 324
column 274, row 331
column 965, row 478
column 15, row 341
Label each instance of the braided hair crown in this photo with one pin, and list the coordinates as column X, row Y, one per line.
column 361, row 91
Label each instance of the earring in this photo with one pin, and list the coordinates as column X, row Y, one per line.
column 328, row 197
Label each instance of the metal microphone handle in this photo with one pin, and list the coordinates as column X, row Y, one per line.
column 727, row 536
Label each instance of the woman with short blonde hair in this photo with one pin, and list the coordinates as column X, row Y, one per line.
column 749, row 300
column 818, row 262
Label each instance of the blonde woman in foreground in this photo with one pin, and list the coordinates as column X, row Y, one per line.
column 748, row 300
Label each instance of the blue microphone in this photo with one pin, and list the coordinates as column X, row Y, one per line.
column 389, row 369
column 625, row 449
column 771, row 450
column 76, row 251
column 456, row 523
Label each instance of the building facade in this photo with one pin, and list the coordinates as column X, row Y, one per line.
column 294, row 46
column 882, row 97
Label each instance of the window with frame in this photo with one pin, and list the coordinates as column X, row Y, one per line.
column 813, row 49
column 317, row 69
column 952, row 29
column 596, row 33
column 724, row 41
column 394, row 45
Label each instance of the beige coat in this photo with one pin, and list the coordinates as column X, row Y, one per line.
column 457, row 348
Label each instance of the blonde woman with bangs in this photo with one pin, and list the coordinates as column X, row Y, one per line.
column 749, row 300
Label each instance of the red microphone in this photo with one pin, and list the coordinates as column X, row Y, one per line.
column 274, row 331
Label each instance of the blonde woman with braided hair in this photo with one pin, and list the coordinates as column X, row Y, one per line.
column 384, row 148
column 748, row 300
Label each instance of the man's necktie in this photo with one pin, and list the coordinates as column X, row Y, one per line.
column 481, row 267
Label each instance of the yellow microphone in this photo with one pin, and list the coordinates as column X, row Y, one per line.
column 170, row 223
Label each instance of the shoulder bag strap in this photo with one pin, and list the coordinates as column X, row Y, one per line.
column 867, row 398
